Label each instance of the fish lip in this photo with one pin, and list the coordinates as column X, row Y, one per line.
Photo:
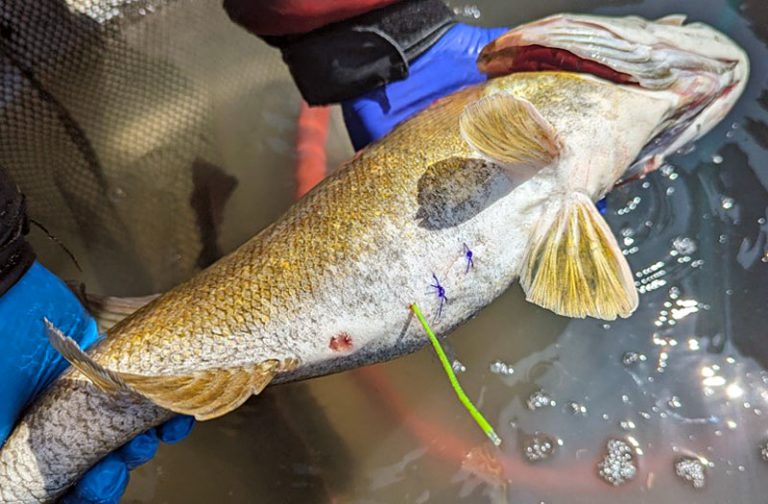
column 704, row 69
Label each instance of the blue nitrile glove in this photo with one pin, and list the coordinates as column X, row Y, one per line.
column 447, row 66
column 28, row 364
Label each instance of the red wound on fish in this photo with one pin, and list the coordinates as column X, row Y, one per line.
column 342, row 342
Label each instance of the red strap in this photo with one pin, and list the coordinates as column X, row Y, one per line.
column 287, row 17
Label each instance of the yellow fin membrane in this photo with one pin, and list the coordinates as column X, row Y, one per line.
column 510, row 131
column 574, row 267
column 205, row 394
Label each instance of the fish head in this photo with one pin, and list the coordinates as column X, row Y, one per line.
column 704, row 70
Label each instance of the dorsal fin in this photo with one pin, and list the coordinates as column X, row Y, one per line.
column 510, row 131
column 574, row 267
column 205, row 394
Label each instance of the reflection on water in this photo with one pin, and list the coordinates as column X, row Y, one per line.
column 667, row 406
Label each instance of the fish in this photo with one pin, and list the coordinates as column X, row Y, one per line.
column 493, row 184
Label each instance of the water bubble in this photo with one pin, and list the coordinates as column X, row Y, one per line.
column 674, row 402
column 538, row 447
column 501, row 368
column 764, row 451
column 458, row 367
column 761, row 220
column 726, row 202
column 619, row 463
column 627, row 425
column 691, row 470
column 540, row 399
column 717, row 159
column 684, row 245
column 575, row 408
column 469, row 11
column 631, row 358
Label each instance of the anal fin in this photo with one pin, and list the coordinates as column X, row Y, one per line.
column 205, row 394
column 574, row 267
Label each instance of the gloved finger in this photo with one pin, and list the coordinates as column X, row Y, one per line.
column 175, row 429
column 104, row 483
column 602, row 206
column 139, row 450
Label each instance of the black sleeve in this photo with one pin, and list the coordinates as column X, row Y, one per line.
column 346, row 59
column 16, row 255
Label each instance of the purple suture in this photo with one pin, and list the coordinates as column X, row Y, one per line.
column 440, row 291
column 468, row 255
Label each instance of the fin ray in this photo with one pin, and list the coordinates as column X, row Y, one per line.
column 205, row 394
column 574, row 266
column 510, row 131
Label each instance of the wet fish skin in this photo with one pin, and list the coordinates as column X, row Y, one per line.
column 345, row 261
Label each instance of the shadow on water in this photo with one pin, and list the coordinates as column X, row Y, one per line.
column 684, row 377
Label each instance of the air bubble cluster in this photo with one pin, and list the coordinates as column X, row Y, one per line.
column 619, row 463
column 540, row 399
column 691, row 470
column 539, row 447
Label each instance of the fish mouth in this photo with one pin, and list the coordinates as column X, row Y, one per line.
column 704, row 69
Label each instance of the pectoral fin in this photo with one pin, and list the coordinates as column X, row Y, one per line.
column 574, row 267
column 510, row 131
column 205, row 394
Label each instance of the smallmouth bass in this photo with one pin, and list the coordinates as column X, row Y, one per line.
column 507, row 169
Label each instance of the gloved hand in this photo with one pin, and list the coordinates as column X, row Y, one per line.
column 28, row 364
column 444, row 68
column 447, row 66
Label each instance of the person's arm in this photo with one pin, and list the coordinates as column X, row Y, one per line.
column 28, row 364
column 338, row 50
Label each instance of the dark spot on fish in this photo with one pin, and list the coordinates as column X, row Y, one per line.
column 342, row 342
column 456, row 189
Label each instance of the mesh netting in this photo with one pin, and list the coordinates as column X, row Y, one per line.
column 129, row 124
